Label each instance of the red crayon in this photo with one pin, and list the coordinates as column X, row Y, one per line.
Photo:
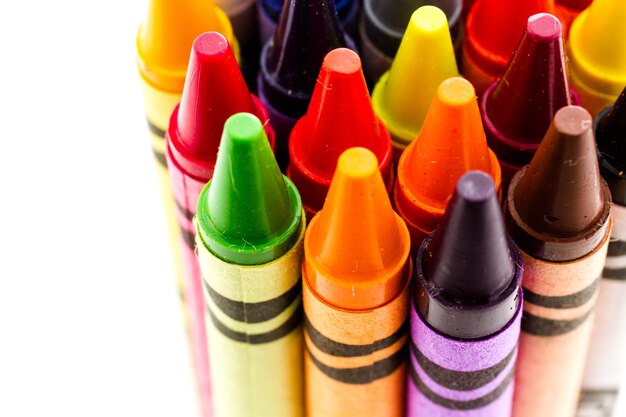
column 492, row 31
column 214, row 90
column 340, row 116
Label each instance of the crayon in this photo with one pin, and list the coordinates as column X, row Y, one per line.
column 250, row 227
column 492, row 31
column 570, row 9
column 214, row 90
column 606, row 361
column 518, row 108
column 243, row 17
column 355, row 275
column 162, row 57
column 382, row 25
column 270, row 11
column 451, row 142
column 290, row 63
column 558, row 213
column 403, row 94
column 340, row 116
column 597, row 53
column 466, row 310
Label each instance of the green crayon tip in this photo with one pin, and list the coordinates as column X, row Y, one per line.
column 249, row 213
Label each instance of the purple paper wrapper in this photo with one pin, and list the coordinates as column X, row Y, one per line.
column 470, row 378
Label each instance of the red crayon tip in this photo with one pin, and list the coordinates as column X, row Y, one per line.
column 214, row 91
column 340, row 116
column 519, row 107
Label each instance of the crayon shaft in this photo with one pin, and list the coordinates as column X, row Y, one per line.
column 606, row 360
column 253, row 316
column 450, row 377
column 186, row 190
column 556, row 329
column 354, row 361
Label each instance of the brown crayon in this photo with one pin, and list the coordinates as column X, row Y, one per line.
column 558, row 212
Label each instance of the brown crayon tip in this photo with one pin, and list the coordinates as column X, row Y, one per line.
column 559, row 203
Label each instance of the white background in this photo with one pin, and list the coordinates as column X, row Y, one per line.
column 90, row 323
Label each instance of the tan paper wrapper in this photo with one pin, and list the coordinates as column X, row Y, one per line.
column 555, row 333
column 378, row 388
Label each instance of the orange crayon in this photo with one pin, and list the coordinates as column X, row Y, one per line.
column 355, row 277
column 452, row 142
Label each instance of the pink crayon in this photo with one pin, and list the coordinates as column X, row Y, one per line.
column 214, row 90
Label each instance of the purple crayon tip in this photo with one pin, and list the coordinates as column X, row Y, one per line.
column 468, row 270
column 290, row 63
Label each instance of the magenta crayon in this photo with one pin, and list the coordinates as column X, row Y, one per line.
column 214, row 90
column 466, row 310
column 290, row 63
column 518, row 108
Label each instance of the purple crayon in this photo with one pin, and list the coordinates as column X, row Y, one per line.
column 466, row 310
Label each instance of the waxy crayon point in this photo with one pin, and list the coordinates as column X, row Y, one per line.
column 214, row 90
column 270, row 13
column 252, row 214
column 383, row 24
column 290, row 64
column 164, row 39
column 567, row 157
column 468, row 232
column 402, row 96
column 611, row 141
column 466, row 310
column 518, row 108
column 597, row 52
column 493, row 29
column 358, row 236
column 451, row 142
column 340, row 116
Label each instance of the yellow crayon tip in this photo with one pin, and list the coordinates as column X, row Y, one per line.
column 403, row 94
column 165, row 37
column 597, row 47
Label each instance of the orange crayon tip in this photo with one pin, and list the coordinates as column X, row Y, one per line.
column 452, row 142
column 357, row 247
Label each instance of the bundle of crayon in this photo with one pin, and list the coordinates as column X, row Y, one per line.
column 486, row 117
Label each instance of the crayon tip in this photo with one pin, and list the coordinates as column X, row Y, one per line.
column 248, row 214
column 340, row 116
column 357, row 238
column 494, row 27
column 167, row 33
column 425, row 58
column 597, row 47
column 560, row 196
column 452, row 141
column 469, row 257
column 290, row 62
column 611, row 141
column 214, row 90
column 519, row 107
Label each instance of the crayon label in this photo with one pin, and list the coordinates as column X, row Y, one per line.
column 599, row 403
